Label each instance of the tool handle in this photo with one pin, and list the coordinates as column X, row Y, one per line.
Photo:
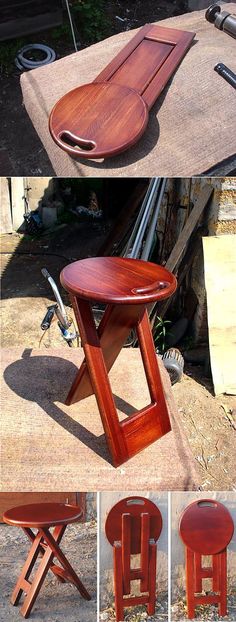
column 47, row 320
column 226, row 73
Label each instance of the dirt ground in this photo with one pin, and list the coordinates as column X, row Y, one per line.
column 56, row 602
column 21, row 152
column 138, row 614
column 208, row 420
column 205, row 613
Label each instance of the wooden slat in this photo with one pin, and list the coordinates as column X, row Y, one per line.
column 6, row 221
column 220, row 275
column 189, row 226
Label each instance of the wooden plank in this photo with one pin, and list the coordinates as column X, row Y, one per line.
column 11, row 499
column 188, row 228
column 6, row 221
column 17, row 192
column 220, row 275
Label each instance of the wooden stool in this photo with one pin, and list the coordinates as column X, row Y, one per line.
column 206, row 528
column 42, row 516
column 127, row 287
column 133, row 526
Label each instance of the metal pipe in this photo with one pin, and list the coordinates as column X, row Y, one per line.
column 62, row 313
column 151, row 230
column 138, row 220
column 143, row 224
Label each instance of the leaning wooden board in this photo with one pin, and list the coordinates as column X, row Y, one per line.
column 109, row 115
column 220, row 274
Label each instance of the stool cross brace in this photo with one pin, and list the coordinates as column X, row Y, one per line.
column 124, row 574
column 196, row 572
column 101, row 347
column 45, row 545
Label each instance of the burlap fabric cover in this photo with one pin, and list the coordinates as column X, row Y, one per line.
column 191, row 126
column 63, row 447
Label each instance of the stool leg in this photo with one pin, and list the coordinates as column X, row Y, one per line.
column 112, row 332
column 145, row 536
column 100, row 381
column 53, row 545
column 152, row 372
column 197, row 572
column 152, row 578
column 26, row 570
column 223, row 584
column 125, row 547
column 40, row 573
column 190, row 582
column 118, row 582
column 216, row 572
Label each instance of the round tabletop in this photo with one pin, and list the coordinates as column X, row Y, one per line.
column 98, row 120
column 135, row 506
column 206, row 527
column 118, row 280
column 42, row 515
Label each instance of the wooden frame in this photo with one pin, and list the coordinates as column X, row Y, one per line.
column 206, row 528
column 133, row 526
column 126, row 286
column 44, row 544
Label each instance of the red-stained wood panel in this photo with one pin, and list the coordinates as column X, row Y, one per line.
column 132, row 284
column 108, row 116
column 13, row 499
column 206, row 528
column 133, row 526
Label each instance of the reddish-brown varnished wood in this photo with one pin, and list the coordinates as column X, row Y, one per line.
column 127, row 286
column 44, row 544
column 118, row 280
column 206, row 528
column 108, row 116
column 133, row 526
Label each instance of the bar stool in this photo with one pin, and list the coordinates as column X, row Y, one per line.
column 43, row 516
column 133, row 526
column 206, row 528
column 127, row 287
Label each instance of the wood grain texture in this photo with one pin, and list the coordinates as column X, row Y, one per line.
column 9, row 500
column 206, row 528
column 131, row 284
column 106, row 117
column 42, row 514
column 220, row 274
column 44, row 544
column 118, row 280
column 133, row 526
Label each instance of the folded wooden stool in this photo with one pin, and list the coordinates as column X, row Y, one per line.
column 127, row 287
column 133, row 526
column 110, row 114
column 42, row 516
column 206, row 528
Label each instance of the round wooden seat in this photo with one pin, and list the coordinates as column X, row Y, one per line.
column 135, row 506
column 118, row 280
column 98, row 119
column 42, row 515
column 206, row 527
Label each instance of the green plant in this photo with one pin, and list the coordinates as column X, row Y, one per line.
column 160, row 333
column 90, row 19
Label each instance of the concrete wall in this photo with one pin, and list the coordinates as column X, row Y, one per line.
column 179, row 502
column 107, row 500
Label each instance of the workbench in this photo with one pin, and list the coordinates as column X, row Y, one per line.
column 191, row 129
